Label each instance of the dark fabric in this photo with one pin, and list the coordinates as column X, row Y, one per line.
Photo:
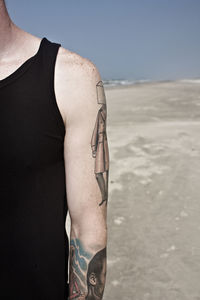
column 33, row 241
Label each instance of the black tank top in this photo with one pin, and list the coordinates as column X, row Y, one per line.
column 34, row 245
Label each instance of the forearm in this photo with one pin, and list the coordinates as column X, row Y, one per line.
column 88, row 265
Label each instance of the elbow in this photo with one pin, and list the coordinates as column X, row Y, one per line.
column 90, row 230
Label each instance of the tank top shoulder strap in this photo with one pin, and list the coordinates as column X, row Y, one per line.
column 48, row 55
column 49, row 52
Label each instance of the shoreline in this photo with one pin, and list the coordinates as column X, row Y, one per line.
column 147, row 83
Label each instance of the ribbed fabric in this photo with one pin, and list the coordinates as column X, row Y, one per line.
column 33, row 241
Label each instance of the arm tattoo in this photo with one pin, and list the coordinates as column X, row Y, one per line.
column 99, row 144
column 87, row 273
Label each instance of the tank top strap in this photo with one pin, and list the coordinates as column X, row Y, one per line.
column 49, row 53
column 48, row 56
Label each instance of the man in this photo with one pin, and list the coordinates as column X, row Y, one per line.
column 54, row 158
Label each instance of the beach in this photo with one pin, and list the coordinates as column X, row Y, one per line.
column 153, row 250
column 154, row 187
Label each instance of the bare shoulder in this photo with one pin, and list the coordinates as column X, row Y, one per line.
column 73, row 64
column 75, row 82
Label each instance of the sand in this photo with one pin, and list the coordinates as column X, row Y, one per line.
column 153, row 249
column 154, row 204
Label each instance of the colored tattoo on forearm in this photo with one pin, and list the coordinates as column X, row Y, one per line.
column 99, row 145
column 87, row 272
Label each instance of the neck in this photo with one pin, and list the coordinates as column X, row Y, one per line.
column 7, row 29
column 5, row 22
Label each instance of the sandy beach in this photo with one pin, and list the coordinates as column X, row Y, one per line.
column 154, row 206
column 153, row 248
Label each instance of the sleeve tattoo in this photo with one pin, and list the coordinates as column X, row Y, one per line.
column 87, row 272
column 99, row 144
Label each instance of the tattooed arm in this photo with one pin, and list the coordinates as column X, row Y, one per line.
column 87, row 170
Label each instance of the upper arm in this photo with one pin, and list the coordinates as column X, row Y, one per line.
column 86, row 148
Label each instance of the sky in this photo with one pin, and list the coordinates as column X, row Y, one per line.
column 143, row 39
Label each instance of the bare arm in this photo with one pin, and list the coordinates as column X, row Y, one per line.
column 87, row 170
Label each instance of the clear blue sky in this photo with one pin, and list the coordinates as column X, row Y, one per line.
column 143, row 39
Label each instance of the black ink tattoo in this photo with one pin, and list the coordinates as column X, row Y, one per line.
column 99, row 145
column 87, row 273
column 96, row 276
